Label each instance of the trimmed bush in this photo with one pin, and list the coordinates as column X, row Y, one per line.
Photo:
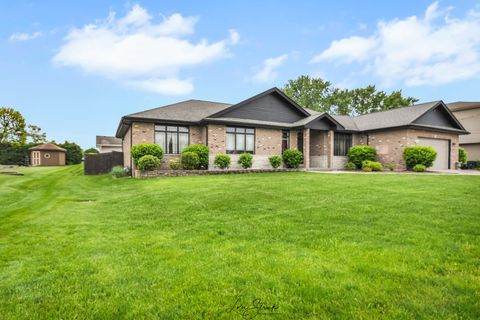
column 373, row 165
column 391, row 166
column 462, row 155
column 350, row 166
column 119, row 172
column 91, row 151
column 275, row 161
column 358, row 154
column 150, row 149
column 222, row 161
column 292, row 158
column 148, row 163
column 367, row 169
column 202, row 153
column 419, row 155
column 419, row 168
column 174, row 164
column 246, row 160
column 189, row 160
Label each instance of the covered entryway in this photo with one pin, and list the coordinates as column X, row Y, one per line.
column 442, row 146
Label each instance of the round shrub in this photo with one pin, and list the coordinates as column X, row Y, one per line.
column 292, row 158
column 145, row 149
column 148, row 163
column 391, row 166
column 189, row 160
column 222, row 161
column 358, row 154
column 373, row 165
column 246, row 160
column 419, row 168
column 367, row 169
column 419, row 155
column 275, row 161
column 174, row 164
column 462, row 155
column 119, row 172
column 350, row 166
column 202, row 153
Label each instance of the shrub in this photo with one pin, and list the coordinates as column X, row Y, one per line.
column 148, row 163
column 292, row 158
column 419, row 168
column 189, row 160
column 350, row 166
column 15, row 154
column 391, row 166
column 373, row 165
column 419, row 155
column 74, row 153
column 367, row 169
column 275, row 161
column 91, row 151
column 119, row 172
column 140, row 150
column 222, row 161
column 246, row 160
column 174, row 164
column 462, row 155
column 202, row 153
column 358, row 154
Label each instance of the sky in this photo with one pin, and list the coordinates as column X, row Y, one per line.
column 75, row 68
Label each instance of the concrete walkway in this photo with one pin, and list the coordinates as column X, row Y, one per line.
column 429, row 172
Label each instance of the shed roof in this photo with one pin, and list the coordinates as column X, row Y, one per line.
column 47, row 147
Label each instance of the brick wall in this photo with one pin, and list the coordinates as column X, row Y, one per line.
column 268, row 141
column 126, row 142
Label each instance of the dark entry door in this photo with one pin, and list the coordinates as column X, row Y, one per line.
column 300, row 141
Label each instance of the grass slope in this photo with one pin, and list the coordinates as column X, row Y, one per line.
column 313, row 245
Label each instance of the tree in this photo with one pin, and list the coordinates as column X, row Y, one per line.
column 74, row 152
column 35, row 134
column 91, row 150
column 320, row 95
column 12, row 126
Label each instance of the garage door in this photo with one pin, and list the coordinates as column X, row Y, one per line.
column 442, row 148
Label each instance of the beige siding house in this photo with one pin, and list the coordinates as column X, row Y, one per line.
column 270, row 122
column 468, row 113
column 108, row 144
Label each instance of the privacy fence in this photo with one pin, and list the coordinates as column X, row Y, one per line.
column 102, row 162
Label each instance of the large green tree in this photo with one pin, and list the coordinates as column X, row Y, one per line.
column 320, row 95
column 35, row 134
column 12, row 126
column 74, row 152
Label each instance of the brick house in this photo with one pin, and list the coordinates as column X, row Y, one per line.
column 270, row 122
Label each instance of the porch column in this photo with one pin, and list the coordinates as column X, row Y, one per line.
column 330, row 149
column 306, row 148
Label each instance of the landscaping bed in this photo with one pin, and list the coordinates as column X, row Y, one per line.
column 177, row 173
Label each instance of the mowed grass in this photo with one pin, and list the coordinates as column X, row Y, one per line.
column 314, row 245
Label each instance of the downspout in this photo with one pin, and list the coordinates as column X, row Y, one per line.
column 368, row 139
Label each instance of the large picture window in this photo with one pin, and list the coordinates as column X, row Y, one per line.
column 342, row 143
column 240, row 140
column 172, row 139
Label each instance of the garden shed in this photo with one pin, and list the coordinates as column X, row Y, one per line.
column 47, row 154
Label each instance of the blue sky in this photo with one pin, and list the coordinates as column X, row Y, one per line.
column 75, row 68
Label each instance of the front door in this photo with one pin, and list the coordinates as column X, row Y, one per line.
column 300, row 141
column 35, row 158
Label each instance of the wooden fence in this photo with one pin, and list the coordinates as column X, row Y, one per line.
column 102, row 162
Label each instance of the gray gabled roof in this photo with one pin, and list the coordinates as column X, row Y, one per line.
column 186, row 111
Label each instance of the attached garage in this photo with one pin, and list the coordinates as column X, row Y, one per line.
column 442, row 146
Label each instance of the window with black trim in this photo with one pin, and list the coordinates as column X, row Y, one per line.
column 342, row 143
column 172, row 139
column 285, row 140
column 240, row 140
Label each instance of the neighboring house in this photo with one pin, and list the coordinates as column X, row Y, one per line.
column 468, row 113
column 108, row 144
column 47, row 154
column 270, row 122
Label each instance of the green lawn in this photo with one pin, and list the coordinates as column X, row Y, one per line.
column 298, row 245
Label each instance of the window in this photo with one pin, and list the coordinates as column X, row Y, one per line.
column 285, row 140
column 342, row 143
column 172, row 139
column 47, row 155
column 240, row 140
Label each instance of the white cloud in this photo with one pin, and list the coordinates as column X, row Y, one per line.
column 269, row 73
column 23, row 36
column 138, row 51
column 433, row 49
